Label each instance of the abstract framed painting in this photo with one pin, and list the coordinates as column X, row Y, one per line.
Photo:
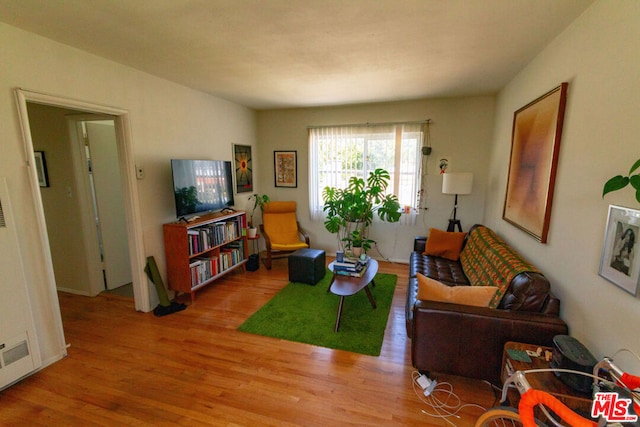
column 242, row 164
column 535, row 145
column 286, row 168
column 619, row 264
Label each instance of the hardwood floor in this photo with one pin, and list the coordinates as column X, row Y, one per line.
column 194, row 368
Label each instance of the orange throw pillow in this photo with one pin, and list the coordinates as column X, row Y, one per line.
column 445, row 244
column 432, row 290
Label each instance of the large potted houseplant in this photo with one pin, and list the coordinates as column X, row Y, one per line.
column 258, row 201
column 353, row 208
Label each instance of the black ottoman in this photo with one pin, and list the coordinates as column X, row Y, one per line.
column 307, row 266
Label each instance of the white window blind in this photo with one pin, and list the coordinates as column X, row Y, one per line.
column 340, row 152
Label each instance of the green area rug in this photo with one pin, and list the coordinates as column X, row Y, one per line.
column 307, row 314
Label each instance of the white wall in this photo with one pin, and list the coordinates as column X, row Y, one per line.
column 598, row 56
column 461, row 131
column 50, row 133
column 167, row 121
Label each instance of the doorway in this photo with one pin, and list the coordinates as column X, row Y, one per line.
column 97, row 173
column 126, row 168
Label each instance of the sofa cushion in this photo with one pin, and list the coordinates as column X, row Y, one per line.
column 489, row 260
column 444, row 244
column 443, row 270
column 432, row 290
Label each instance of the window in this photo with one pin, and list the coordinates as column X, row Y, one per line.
column 338, row 153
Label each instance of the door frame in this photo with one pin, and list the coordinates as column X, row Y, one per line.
column 128, row 175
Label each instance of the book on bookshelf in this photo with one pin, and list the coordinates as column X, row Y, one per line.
column 197, row 252
column 203, row 269
column 208, row 236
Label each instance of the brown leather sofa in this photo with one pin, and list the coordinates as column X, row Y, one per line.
column 468, row 341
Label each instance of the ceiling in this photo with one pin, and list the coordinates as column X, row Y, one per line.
column 268, row 54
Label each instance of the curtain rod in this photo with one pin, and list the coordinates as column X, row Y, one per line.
column 415, row 122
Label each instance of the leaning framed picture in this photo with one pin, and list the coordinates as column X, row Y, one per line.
column 244, row 171
column 620, row 262
column 535, row 144
column 41, row 168
column 285, row 164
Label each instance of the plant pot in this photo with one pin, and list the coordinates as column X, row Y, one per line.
column 356, row 251
column 252, row 232
column 253, row 262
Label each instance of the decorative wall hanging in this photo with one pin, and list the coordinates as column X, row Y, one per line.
column 619, row 263
column 41, row 168
column 286, row 168
column 242, row 164
column 443, row 164
column 535, row 144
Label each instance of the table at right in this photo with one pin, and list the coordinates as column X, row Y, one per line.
column 545, row 381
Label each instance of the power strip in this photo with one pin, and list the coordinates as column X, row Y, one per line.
column 426, row 384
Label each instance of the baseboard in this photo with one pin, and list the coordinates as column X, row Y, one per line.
column 395, row 261
column 73, row 291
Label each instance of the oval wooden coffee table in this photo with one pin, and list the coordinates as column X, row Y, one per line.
column 345, row 286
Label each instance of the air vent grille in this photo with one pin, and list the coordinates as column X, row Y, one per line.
column 3, row 224
column 15, row 353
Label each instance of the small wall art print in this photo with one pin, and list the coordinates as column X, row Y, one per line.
column 242, row 164
column 40, row 163
column 620, row 262
column 535, row 144
column 286, row 168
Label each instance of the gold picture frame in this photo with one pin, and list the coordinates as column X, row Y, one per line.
column 535, row 144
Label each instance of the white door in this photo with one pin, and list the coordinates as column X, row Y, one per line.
column 107, row 184
column 19, row 353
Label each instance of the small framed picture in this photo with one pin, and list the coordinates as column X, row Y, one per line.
column 244, row 170
column 286, row 168
column 620, row 263
column 41, row 168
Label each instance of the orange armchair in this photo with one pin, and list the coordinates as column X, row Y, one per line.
column 281, row 231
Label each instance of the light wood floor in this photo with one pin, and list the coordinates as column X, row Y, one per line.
column 194, row 368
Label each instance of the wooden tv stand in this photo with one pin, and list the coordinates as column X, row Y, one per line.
column 199, row 252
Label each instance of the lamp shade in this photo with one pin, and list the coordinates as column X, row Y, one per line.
column 457, row 183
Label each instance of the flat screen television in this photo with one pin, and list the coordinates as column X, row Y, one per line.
column 201, row 186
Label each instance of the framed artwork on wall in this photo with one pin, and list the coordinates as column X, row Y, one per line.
column 285, row 168
column 243, row 167
column 620, row 262
column 41, row 168
column 535, row 144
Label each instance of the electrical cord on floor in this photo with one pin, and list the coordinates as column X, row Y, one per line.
column 442, row 402
column 497, row 392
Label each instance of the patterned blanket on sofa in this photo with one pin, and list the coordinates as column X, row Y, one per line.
column 487, row 260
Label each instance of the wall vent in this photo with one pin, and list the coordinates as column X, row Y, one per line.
column 3, row 224
column 15, row 353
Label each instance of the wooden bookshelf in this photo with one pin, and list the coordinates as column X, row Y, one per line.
column 199, row 252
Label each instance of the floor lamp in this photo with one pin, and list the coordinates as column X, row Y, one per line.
column 458, row 184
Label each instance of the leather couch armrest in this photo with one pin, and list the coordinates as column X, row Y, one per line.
column 419, row 243
column 468, row 341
